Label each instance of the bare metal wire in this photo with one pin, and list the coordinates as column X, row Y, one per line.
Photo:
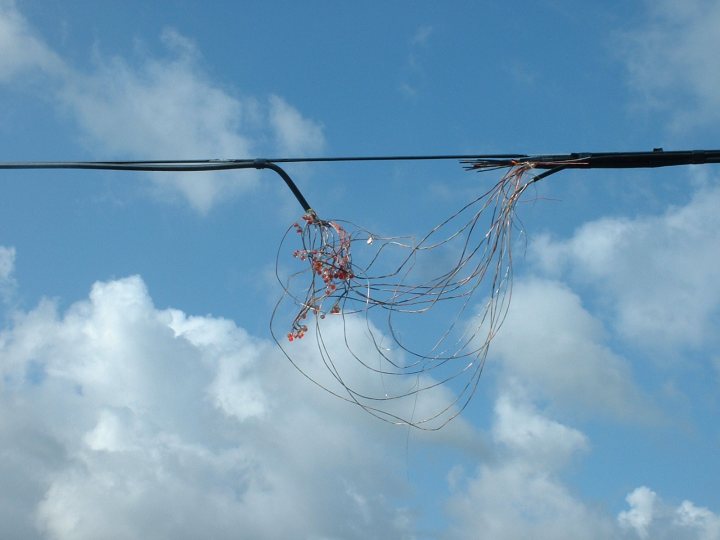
column 345, row 272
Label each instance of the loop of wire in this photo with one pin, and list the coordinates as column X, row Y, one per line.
column 359, row 295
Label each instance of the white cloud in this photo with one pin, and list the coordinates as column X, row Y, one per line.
column 172, row 426
column 520, row 496
column 172, row 110
column 672, row 60
column 697, row 519
column 165, row 110
column 532, row 436
column 650, row 517
column 7, row 268
column 350, row 355
column 22, row 52
column 516, row 501
column 656, row 273
column 162, row 108
column 642, row 505
column 554, row 346
column 295, row 135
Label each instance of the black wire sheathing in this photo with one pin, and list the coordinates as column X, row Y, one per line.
column 552, row 163
column 168, row 166
column 548, row 172
column 265, row 164
column 603, row 160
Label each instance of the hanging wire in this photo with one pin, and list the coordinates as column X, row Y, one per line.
column 353, row 273
column 357, row 294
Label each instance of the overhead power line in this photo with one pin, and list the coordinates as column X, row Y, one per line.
column 345, row 270
column 552, row 163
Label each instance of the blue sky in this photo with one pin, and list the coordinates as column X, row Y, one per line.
column 141, row 392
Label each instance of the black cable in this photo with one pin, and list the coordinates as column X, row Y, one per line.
column 619, row 160
column 226, row 164
column 456, row 157
column 146, row 166
column 604, row 160
column 264, row 164
column 168, row 166
column 197, row 165
column 553, row 163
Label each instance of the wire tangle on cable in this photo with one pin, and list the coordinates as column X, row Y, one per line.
column 391, row 321
column 357, row 295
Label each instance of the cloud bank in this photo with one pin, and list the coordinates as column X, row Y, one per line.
column 656, row 273
column 556, row 348
column 120, row 420
column 522, row 493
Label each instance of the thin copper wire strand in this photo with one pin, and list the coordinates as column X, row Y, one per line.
column 483, row 263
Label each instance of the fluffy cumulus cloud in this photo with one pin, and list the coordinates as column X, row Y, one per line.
column 161, row 108
column 671, row 58
column 521, row 429
column 650, row 517
column 553, row 345
column 640, row 514
column 521, row 495
column 168, row 110
column 657, row 273
column 119, row 420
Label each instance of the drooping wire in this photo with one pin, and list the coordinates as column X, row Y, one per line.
column 357, row 292
column 364, row 279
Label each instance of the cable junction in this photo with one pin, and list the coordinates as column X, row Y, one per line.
column 551, row 162
column 336, row 270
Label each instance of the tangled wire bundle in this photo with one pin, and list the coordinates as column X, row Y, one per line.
column 354, row 276
column 351, row 274
column 329, row 261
